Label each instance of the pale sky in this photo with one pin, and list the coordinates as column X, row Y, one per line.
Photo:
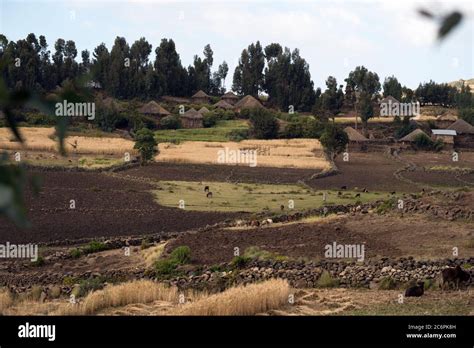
column 334, row 37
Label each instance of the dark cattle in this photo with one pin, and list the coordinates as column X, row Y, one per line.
column 339, row 193
column 282, row 207
column 454, row 276
column 415, row 291
column 392, row 193
column 206, row 189
column 357, row 195
column 344, row 187
column 365, row 190
column 209, row 195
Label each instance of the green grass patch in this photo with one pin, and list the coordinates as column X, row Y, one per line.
column 326, row 281
column 228, row 197
column 167, row 267
column 222, row 131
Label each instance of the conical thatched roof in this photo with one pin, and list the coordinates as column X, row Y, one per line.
column 223, row 105
column 462, row 127
column 248, row 102
column 412, row 136
column 230, row 95
column 354, row 135
column 111, row 103
column 191, row 113
column 203, row 110
column 200, row 94
column 389, row 98
column 153, row 108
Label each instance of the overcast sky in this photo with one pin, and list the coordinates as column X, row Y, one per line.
column 334, row 37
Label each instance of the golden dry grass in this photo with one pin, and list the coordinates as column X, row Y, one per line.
column 41, row 139
column 150, row 255
column 241, row 300
column 287, row 153
column 140, row 291
column 6, row 300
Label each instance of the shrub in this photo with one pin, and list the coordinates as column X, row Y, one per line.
column 89, row 285
column 75, row 253
column 313, row 128
column 326, row 281
column 228, row 115
column 422, row 141
column 467, row 114
column 170, row 122
column 167, row 267
column 145, row 143
column 181, row 254
column 94, row 247
column 334, row 139
column 387, row 283
column 238, row 134
column 240, row 261
column 293, row 130
column 209, row 120
column 264, row 124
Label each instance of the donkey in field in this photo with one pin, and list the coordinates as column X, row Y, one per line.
column 454, row 276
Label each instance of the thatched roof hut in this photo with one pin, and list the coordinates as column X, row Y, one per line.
column 192, row 119
column 462, row 127
column 222, row 104
column 203, row 110
column 154, row 109
column 354, row 135
column 412, row 136
column 247, row 102
column 112, row 103
column 200, row 97
column 230, row 98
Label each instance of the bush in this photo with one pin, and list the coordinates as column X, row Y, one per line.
column 326, row 281
column 238, row 134
column 94, row 247
column 387, row 283
column 264, row 124
column 167, row 267
column 422, row 141
column 240, row 262
column 228, row 115
column 313, row 128
column 467, row 115
column 89, row 285
column 181, row 254
column 293, row 130
column 145, row 143
column 209, row 120
column 170, row 122
column 334, row 139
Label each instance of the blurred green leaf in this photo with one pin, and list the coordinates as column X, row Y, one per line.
column 448, row 23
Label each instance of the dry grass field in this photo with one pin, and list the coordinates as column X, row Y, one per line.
column 145, row 297
column 42, row 139
column 294, row 153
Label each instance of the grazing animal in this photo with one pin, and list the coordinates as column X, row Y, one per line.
column 209, row 195
column 392, row 193
column 282, row 207
column 454, row 276
column 365, row 190
column 344, row 187
column 339, row 193
column 357, row 195
column 415, row 291
column 206, row 189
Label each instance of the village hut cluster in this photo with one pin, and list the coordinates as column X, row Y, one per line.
column 190, row 117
